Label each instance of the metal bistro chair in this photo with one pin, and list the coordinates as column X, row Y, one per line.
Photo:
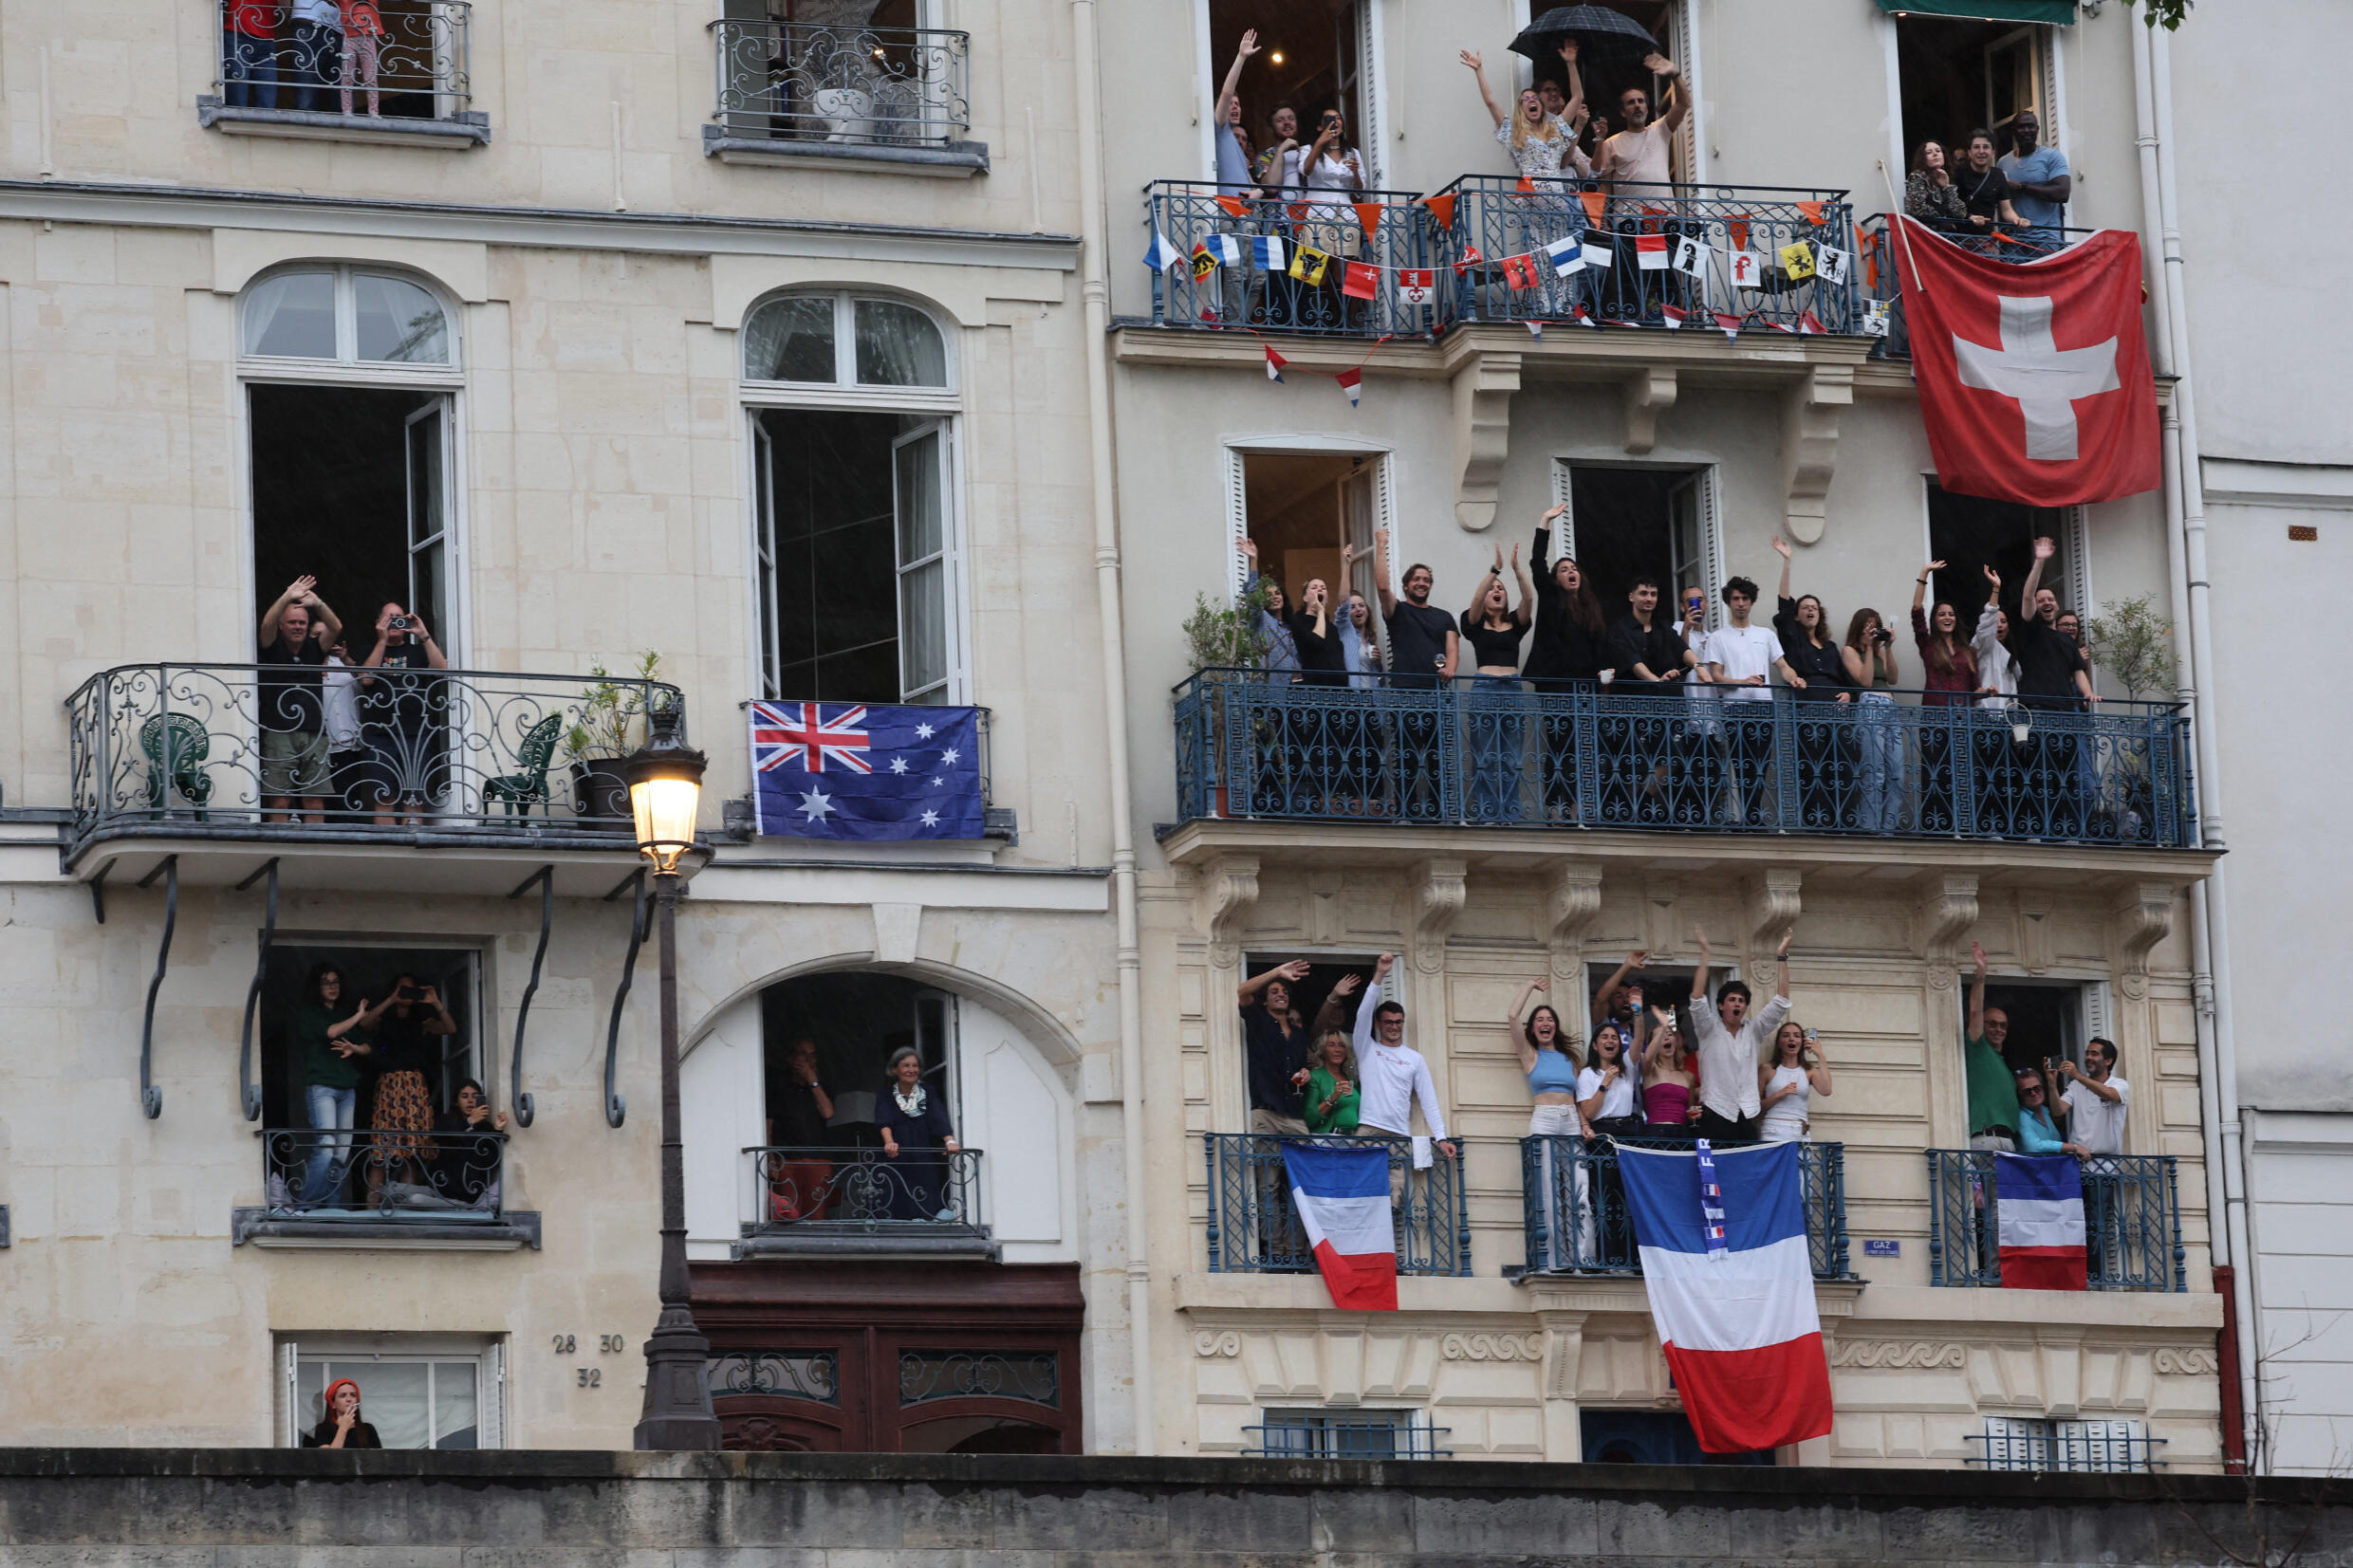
column 175, row 747
column 528, row 782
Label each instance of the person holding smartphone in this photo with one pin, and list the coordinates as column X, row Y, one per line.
column 401, row 708
column 409, row 1013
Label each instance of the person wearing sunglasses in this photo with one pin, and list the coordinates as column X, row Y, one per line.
column 2036, row 1132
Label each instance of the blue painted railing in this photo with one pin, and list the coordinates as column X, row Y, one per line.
column 1242, row 293
column 1495, row 219
column 1575, row 1211
column 1253, row 1226
column 1499, row 754
column 2132, row 1220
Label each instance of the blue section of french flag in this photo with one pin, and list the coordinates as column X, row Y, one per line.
column 1740, row 1329
column 1343, row 1197
column 2041, row 1220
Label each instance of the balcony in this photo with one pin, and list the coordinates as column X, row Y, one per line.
column 1576, row 1215
column 1253, row 1228
column 1480, row 754
column 312, row 83
column 1379, row 226
column 439, row 1191
column 481, row 769
column 2132, row 1220
column 821, row 95
column 1884, row 294
column 852, row 1202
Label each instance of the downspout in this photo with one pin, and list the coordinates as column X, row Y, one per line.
column 2210, row 904
column 1095, row 286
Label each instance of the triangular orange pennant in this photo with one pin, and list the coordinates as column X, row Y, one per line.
column 1527, row 187
column 1738, row 227
column 1595, row 202
column 1298, row 210
column 1234, row 206
column 1368, row 216
column 1811, row 212
column 1442, row 210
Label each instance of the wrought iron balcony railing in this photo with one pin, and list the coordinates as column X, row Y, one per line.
column 1491, row 752
column 1365, row 1434
column 2031, row 1442
column 374, row 1177
column 1380, row 227
column 1576, row 1218
column 254, row 750
column 1495, row 219
column 1883, row 295
column 811, row 1193
column 823, row 82
column 1254, row 1228
column 384, row 59
column 2132, row 1220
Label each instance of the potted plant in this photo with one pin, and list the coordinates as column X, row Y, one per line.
column 603, row 730
column 1223, row 637
column 2135, row 644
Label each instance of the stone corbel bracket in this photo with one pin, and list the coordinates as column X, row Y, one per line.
column 1948, row 909
column 2143, row 917
column 1226, row 891
column 1441, row 887
column 1810, row 433
column 1483, row 390
column 1773, row 908
column 1572, row 899
column 1646, row 394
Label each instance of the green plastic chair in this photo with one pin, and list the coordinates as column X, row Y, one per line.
column 528, row 782
column 175, row 747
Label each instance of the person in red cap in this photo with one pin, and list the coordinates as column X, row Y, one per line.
column 341, row 1428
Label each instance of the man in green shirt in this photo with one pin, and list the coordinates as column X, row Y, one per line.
column 1992, row 1088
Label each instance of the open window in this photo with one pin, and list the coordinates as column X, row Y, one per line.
column 417, row 1391
column 854, row 543
column 1625, row 522
column 2050, row 1020
column 1962, row 73
column 1317, row 54
column 1969, row 533
column 1302, row 508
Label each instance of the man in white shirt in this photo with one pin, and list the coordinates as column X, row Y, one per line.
column 2095, row 1102
column 1391, row 1074
column 1741, row 661
column 1635, row 165
column 1730, row 1043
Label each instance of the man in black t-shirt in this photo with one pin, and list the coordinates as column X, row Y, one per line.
column 1985, row 191
column 403, row 713
column 1422, row 648
column 2054, row 680
column 1647, row 657
column 296, row 630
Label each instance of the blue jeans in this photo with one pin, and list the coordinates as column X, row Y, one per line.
column 248, row 70
column 1882, row 740
column 331, row 1110
column 318, row 66
column 1496, row 717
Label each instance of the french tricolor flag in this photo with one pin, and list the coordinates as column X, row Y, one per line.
column 1741, row 1333
column 2041, row 1220
column 1343, row 1198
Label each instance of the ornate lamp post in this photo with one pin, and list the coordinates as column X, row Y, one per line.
column 665, row 787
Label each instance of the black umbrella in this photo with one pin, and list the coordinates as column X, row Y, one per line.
column 1600, row 33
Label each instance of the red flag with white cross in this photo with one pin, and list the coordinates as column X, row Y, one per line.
column 2033, row 377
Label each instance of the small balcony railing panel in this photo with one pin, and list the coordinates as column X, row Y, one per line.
column 2132, row 1220
column 2031, row 1444
column 374, row 1177
column 842, row 83
column 1502, row 753
column 1242, row 292
column 1575, row 1209
column 1882, row 291
column 811, row 1193
column 1254, row 1228
column 1496, row 220
column 414, row 67
column 187, row 749
column 1372, row 1435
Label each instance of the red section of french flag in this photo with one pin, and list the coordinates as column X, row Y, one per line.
column 2044, row 1268
column 1365, row 1282
column 1743, row 1400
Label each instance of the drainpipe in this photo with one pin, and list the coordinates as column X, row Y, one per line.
column 2186, row 554
column 1095, row 286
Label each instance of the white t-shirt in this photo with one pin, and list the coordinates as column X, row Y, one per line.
column 2093, row 1124
column 1727, row 1061
column 1739, row 653
column 1618, row 1103
column 1390, row 1079
column 339, row 698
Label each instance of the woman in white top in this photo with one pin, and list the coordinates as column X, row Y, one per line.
column 1606, row 1088
column 1331, row 165
column 1997, row 761
column 1543, row 149
column 1788, row 1084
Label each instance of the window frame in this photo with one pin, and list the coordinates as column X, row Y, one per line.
column 486, row 1353
column 846, row 389
column 346, row 363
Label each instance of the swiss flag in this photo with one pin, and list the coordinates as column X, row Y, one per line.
column 1361, row 282
column 2033, row 377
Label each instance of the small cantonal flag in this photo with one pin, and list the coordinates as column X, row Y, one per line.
column 1469, row 259
column 1341, row 1197
column 1520, row 272
column 1204, row 260
column 1361, row 282
column 1227, row 249
column 1690, row 257
column 1599, row 255
column 1730, row 323
column 1161, row 255
column 1650, row 252
column 1748, row 270
column 1797, row 259
column 1568, row 255
column 1672, row 317
column 1831, row 263
column 1274, row 364
column 1307, row 264
column 1416, row 285
column 1271, row 256
column 1351, row 382
column 1808, row 321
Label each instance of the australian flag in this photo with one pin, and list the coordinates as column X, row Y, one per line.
column 847, row 772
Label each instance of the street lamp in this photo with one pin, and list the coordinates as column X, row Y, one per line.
column 665, row 787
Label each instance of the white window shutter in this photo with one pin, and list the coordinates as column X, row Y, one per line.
column 1691, row 145
column 490, row 1405
column 1238, row 520
column 1711, row 547
column 288, row 1399
column 2078, row 527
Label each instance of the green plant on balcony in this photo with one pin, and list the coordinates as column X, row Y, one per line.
column 1226, row 635
column 605, row 726
column 2133, row 643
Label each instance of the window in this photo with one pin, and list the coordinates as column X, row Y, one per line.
column 1626, row 522
column 340, row 313
column 417, row 1391
column 2035, row 1444
column 853, row 516
column 1969, row 533
column 1348, row 1435
column 1959, row 74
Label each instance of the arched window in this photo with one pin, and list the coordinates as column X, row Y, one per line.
column 344, row 314
column 844, row 339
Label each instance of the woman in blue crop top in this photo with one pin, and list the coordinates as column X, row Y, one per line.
column 1552, row 1084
